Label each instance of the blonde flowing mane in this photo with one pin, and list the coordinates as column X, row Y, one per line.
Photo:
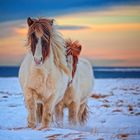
column 59, row 50
column 54, row 39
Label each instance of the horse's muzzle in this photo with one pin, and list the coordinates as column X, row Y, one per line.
column 38, row 61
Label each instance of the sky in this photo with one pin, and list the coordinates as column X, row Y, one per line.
column 108, row 30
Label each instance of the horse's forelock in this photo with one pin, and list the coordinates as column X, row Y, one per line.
column 41, row 28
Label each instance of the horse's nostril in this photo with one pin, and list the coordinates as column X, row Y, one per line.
column 38, row 60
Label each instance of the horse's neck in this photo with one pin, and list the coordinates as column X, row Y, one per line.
column 49, row 65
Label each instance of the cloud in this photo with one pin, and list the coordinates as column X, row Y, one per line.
column 13, row 29
column 13, row 9
column 72, row 27
column 107, row 62
column 9, row 29
column 4, row 33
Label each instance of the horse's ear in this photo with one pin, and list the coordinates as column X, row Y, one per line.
column 29, row 21
column 51, row 21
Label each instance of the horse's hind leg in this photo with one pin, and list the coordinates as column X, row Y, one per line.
column 59, row 113
column 83, row 113
column 73, row 112
column 30, row 104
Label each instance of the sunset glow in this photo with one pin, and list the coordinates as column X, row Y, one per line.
column 110, row 37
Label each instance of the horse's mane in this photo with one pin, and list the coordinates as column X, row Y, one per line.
column 45, row 28
column 59, row 50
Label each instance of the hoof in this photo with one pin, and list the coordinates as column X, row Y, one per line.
column 30, row 125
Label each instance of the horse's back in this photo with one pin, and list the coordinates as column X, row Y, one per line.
column 85, row 65
column 86, row 73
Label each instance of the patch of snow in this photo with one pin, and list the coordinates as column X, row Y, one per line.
column 114, row 113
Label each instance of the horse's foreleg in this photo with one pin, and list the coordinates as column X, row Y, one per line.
column 39, row 112
column 59, row 113
column 47, row 116
column 48, row 109
column 30, row 103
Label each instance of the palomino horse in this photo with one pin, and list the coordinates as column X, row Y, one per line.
column 80, row 87
column 43, row 73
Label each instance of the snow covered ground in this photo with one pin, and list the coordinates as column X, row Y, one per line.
column 114, row 113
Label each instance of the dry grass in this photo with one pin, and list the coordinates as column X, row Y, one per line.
column 98, row 96
column 105, row 105
column 122, row 136
column 130, row 107
column 53, row 137
column 137, row 114
column 117, row 110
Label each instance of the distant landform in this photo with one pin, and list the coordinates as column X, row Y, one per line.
column 99, row 72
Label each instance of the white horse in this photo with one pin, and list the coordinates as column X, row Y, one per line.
column 43, row 73
column 79, row 90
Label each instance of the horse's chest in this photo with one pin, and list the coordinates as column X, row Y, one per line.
column 41, row 84
column 37, row 81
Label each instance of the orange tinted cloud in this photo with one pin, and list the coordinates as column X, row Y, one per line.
column 21, row 31
column 108, row 39
column 116, row 27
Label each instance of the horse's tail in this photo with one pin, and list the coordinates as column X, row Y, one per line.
column 83, row 113
column 39, row 112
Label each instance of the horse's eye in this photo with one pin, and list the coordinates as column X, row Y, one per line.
column 43, row 42
column 35, row 39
